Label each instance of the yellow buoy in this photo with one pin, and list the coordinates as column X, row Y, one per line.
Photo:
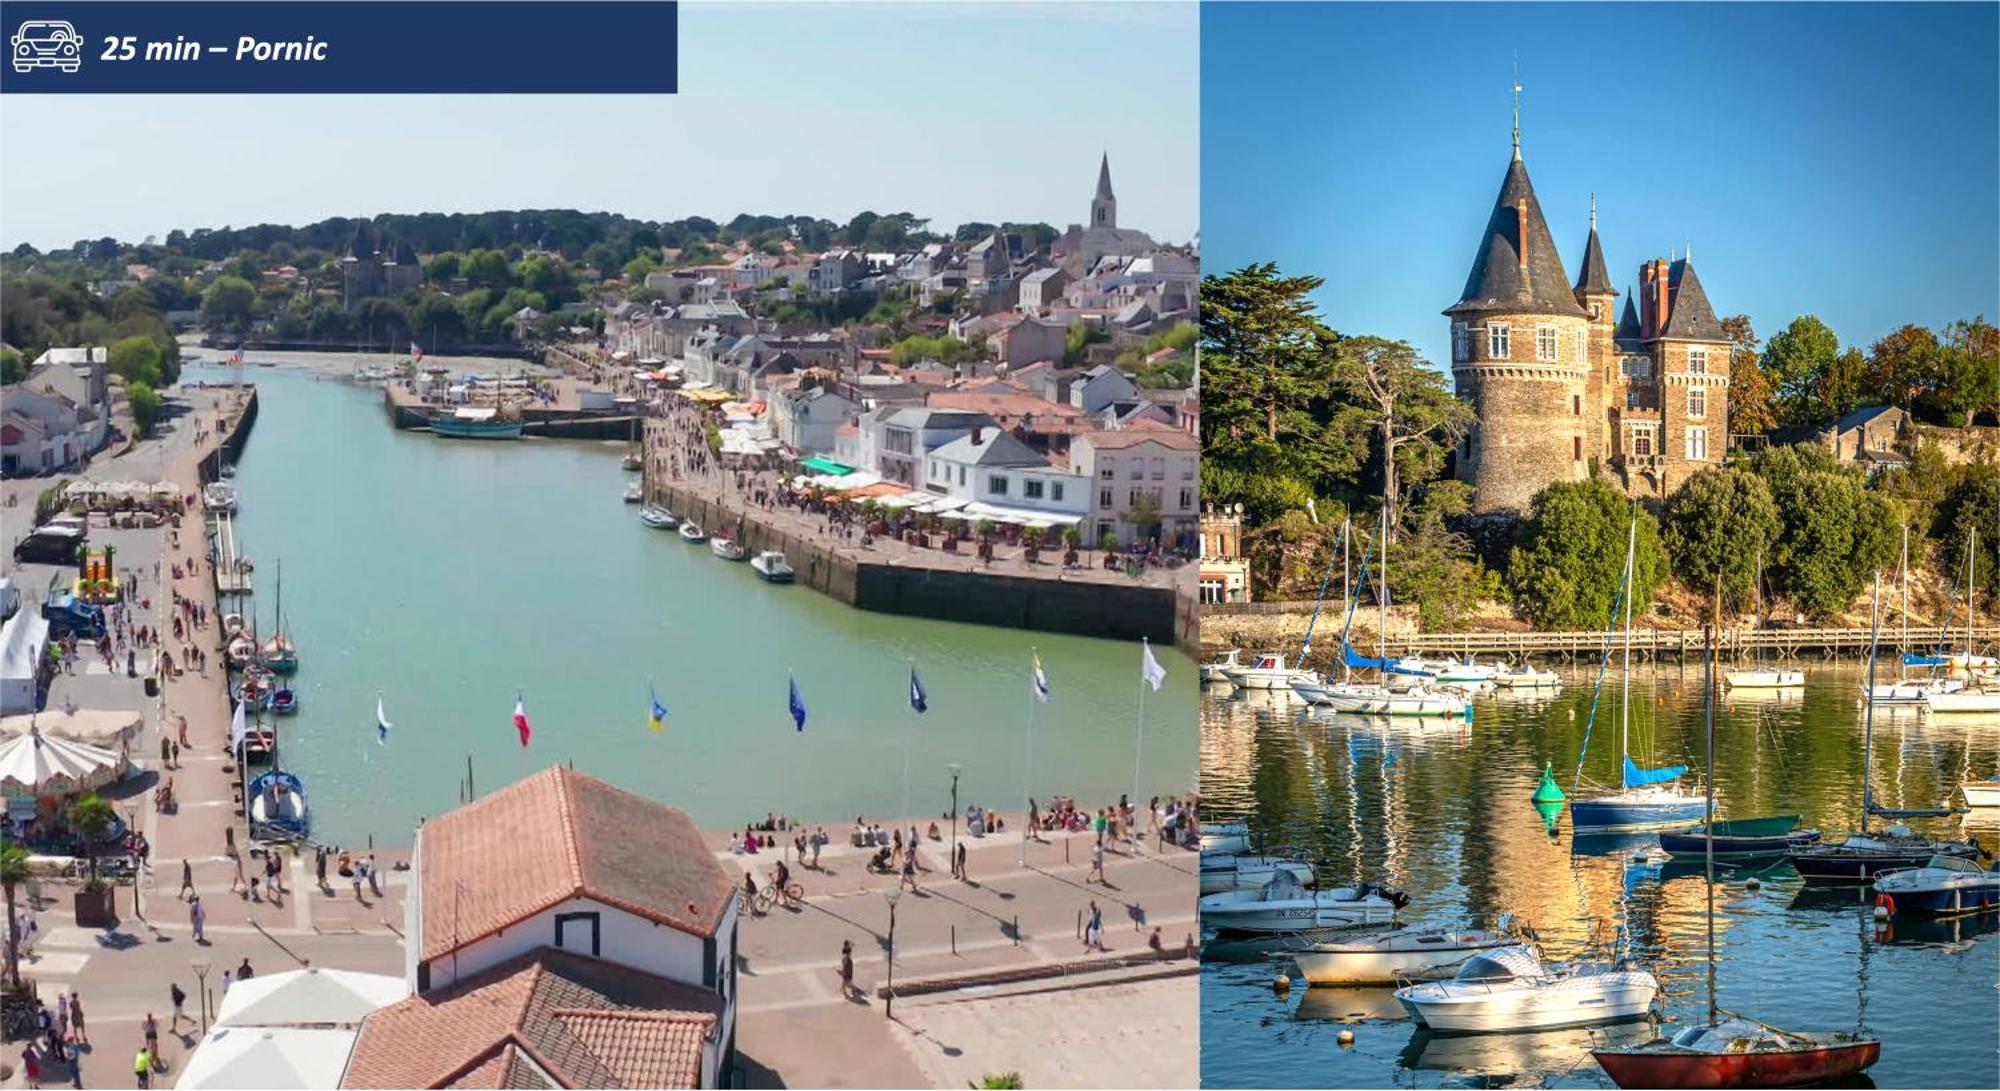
column 1346, row 1038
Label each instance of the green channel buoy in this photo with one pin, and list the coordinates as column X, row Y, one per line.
column 1550, row 791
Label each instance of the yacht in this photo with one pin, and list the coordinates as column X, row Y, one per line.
column 728, row 549
column 1370, row 699
column 773, row 567
column 1224, row 837
column 657, row 517
column 1282, row 905
column 1222, row 871
column 1511, row 988
column 1526, row 676
column 691, row 532
column 1945, row 884
column 219, row 496
column 1394, row 957
column 1983, row 700
column 1446, row 670
column 1216, row 670
column 1267, row 672
column 1764, row 678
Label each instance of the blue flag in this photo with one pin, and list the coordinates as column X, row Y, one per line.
column 919, row 700
column 798, row 706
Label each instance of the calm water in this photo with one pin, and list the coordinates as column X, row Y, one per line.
column 447, row 575
column 1444, row 812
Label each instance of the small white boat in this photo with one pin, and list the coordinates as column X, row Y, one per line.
column 219, row 496
column 1282, row 905
column 1764, row 678
column 632, row 461
column 692, row 533
column 233, row 625
column 1511, row 988
column 1446, row 670
column 773, row 567
column 634, row 493
column 1964, row 700
column 1216, row 670
column 1229, row 871
column 728, row 549
column 240, row 651
column 1526, row 676
column 1909, row 692
column 1267, row 672
column 657, row 517
column 1393, row 957
column 1981, row 793
column 1369, row 699
column 1222, row 838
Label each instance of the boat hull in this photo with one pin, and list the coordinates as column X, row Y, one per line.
column 1601, row 998
column 1261, row 678
column 463, row 429
column 1977, row 702
column 1358, row 965
column 1686, row 1068
column 1275, row 917
column 1982, row 793
column 1764, row 679
column 1830, row 865
column 1611, row 816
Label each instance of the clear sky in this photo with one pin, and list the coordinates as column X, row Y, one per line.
column 955, row 112
column 1831, row 159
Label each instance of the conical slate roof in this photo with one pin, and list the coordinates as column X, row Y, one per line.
column 1104, row 176
column 1594, row 278
column 1495, row 283
column 1628, row 322
column 1690, row 318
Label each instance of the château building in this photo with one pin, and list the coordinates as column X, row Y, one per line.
column 374, row 267
column 1559, row 385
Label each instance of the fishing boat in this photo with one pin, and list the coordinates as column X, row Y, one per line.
column 1945, row 884
column 1740, row 838
column 1267, row 671
column 219, row 496
column 1282, row 905
column 279, row 654
column 1510, row 988
column 1224, row 837
column 1393, row 958
column 232, row 626
column 773, row 567
column 1222, row 871
column 277, row 804
column 1526, row 676
column 1647, row 799
column 260, row 746
column 284, row 701
column 1981, row 793
column 692, row 533
column 729, row 549
column 634, row 492
column 253, row 693
column 240, row 652
column 657, row 518
column 1216, row 669
column 476, row 422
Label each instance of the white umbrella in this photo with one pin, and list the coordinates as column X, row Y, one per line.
column 312, row 996
column 50, row 765
column 268, row 1057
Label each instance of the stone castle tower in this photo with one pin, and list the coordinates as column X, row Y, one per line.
column 1559, row 387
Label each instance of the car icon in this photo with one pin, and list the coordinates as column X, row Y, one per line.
column 46, row 43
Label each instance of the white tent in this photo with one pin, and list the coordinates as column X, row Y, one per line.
column 22, row 641
column 314, row 996
column 47, row 765
column 268, row 1057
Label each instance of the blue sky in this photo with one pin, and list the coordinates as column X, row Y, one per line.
column 1842, row 160
column 956, row 112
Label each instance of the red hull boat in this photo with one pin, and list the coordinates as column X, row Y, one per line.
column 1672, row 1066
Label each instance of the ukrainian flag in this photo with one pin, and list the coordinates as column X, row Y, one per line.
column 657, row 717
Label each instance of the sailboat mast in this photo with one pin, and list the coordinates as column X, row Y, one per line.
column 1625, row 683
column 1905, row 566
column 1346, row 587
column 1868, row 735
column 1708, row 827
column 1971, row 595
column 1382, row 599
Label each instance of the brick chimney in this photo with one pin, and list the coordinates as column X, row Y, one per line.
column 1646, row 299
column 977, row 431
column 1660, row 306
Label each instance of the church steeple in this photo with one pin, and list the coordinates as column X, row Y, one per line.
column 1104, row 205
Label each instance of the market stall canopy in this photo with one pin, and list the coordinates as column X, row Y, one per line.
column 269, row 1057
column 50, row 765
column 111, row 728
column 314, row 996
column 22, row 641
column 827, row 466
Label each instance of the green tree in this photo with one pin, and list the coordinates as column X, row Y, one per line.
column 1435, row 566
column 1904, row 365
column 1412, row 418
column 1970, row 383
column 91, row 815
column 137, row 359
column 1569, row 559
column 145, row 403
column 1835, row 531
column 1795, row 359
column 1843, row 386
column 228, row 304
column 1974, row 504
column 635, row 270
column 13, row 873
column 1718, row 523
column 1750, row 408
column 12, row 370
column 486, row 269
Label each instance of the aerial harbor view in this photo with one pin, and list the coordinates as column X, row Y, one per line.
column 682, row 646
column 1599, row 684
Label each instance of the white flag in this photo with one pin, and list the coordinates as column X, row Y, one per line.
column 1038, row 680
column 239, row 727
column 1149, row 668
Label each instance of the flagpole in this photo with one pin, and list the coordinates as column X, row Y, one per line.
column 1028, row 763
column 906, row 745
column 1139, row 749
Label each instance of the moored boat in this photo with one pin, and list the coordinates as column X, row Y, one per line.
column 1526, row 676
column 1739, row 1053
column 1267, row 671
column 634, row 493
column 1222, row 871
column 729, row 549
column 1216, row 669
column 284, row 700
column 1282, row 905
column 1981, row 793
column 1224, row 837
column 1945, row 884
column 1511, row 988
column 1982, row 701
column 278, row 804
column 657, row 518
column 1741, row 838
column 476, row 422
column 772, row 566
column 1765, row 678
column 219, row 496
column 1394, row 957
column 1858, row 859
column 1375, row 700
column 691, row 532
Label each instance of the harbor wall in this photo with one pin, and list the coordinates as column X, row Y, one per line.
column 1082, row 608
column 232, row 441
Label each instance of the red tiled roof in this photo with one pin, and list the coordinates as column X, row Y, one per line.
column 557, row 835
column 545, row 1016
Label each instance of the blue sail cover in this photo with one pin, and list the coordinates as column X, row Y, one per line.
column 1355, row 659
column 1910, row 660
column 1636, row 777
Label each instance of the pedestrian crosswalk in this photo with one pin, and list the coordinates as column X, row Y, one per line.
column 59, row 956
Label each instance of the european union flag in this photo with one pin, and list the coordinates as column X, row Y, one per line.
column 798, row 706
column 919, row 700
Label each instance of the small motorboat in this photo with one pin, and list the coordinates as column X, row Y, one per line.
column 1741, row 838
column 284, row 701
column 1982, row 701
column 1945, row 884
column 1764, row 678
column 773, row 567
column 634, row 493
column 233, row 626
column 260, row 746
column 1222, row 871
column 656, row 517
column 277, row 804
column 692, row 533
column 1445, row 670
column 1394, row 957
column 1981, row 793
column 632, row 461
column 728, row 549
column 1222, row 838
column 1526, row 676
column 1370, row 699
column 1861, row 857
column 1268, row 671
column 1218, row 668
column 1282, row 905
column 1511, row 988
column 1739, row 1053
column 219, row 496
column 240, row 652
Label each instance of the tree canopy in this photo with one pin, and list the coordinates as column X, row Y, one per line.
column 1566, row 569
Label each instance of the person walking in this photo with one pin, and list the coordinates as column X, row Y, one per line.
column 1097, row 865
column 909, row 878
column 959, row 864
column 197, row 917
column 179, row 996
column 1093, row 928
column 187, row 879
column 78, row 1033
column 31, row 1063
column 846, row 969
column 243, row 972
column 374, row 877
column 319, row 866
column 152, row 1028
column 142, row 1067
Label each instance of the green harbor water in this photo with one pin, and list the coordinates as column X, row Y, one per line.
column 1442, row 810
column 446, row 575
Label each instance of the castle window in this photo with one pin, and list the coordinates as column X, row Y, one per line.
column 1545, row 342
column 1596, row 311
column 1580, row 349
column 1461, row 341
column 1697, row 361
column 1697, row 445
column 1632, row 399
column 1497, row 346
column 1697, row 401
column 1576, row 448
column 1638, row 367
column 1576, row 405
column 1642, row 442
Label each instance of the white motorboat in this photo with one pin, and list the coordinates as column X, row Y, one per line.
column 1216, row 670
column 219, row 496
column 1964, row 700
column 1282, row 905
column 1369, row 699
column 692, row 533
column 233, row 625
column 729, row 549
column 1267, row 672
column 1526, row 676
column 1446, row 670
column 634, row 493
column 1765, row 678
column 1945, row 884
column 1909, row 692
column 1394, row 957
column 1981, row 793
column 656, row 517
column 773, row 567
column 1511, row 988
column 1224, row 837
column 1229, row 871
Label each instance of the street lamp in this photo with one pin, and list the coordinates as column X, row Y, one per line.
column 201, row 968
column 889, row 1004
column 954, row 767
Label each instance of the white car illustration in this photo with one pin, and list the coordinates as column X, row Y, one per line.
column 46, row 43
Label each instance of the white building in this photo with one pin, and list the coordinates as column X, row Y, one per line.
column 1127, row 467
column 808, row 419
column 1003, row 477
column 39, row 432
column 897, row 439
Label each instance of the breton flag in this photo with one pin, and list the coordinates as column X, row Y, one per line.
column 919, row 700
column 1038, row 680
column 239, row 728
column 521, row 719
column 416, row 353
column 382, row 724
column 657, row 717
column 1149, row 668
column 797, row 705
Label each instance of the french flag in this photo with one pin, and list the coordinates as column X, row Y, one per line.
column 521, row 719
column 416, row 352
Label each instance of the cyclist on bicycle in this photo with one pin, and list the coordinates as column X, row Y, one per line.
column 784, row 876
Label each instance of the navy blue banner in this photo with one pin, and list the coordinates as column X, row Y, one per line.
column 320, row 47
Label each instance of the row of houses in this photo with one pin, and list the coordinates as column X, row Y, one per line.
column 59, row 414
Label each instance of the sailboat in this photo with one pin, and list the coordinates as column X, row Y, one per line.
column 1906, row 690
column 278, row 653
column 1979, row 696
column 1756, row 676
column 1647, row 799
column 1381, row 698
column 1862, row 856
column 1735, row 1051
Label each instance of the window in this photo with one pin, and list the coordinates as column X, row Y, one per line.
column 1697, row 445
column 1697, row 360
column 578, row 932
column 1545, row 342
column 1582, row 346
column 996, row 484
column 1031, row 490
column 1108, row 470
column 1056, row 491
column 1576, row 448
column 961, row 475
column 1642, row 442
column 1596, row 311
column 1632, row 399
column 1697, row 401
column 1132, row 497
column 1637, row 367
column 1138, row 469
column 1104, row 498
column 1187, row 499
column 1159, row 468
column 1461, row 341
column 1497, row 342
column 1576, row 405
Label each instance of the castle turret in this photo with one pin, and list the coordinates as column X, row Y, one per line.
column 1602, row 393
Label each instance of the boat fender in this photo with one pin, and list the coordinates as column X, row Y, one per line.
column 1345, row 1037
column 1281, row 984
column 1751, row 883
